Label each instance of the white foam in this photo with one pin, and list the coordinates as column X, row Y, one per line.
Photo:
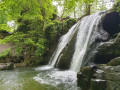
column 47, row 67
column 56, row 78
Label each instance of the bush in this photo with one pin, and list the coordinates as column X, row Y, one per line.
column 26, row 46
column 56, row 29
column 5, row 54
column 70, row 22
column 53, row 31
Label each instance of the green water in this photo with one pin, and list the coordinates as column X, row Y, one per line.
column 33, row 78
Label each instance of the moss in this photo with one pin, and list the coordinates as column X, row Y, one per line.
column 83, row 82
column 114, row 62
column 65, row 60
column 98, row 84
column 84, row 78
column 10, row 66
column 88, row 71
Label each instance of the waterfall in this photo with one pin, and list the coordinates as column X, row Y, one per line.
column 64, row 40
column 85, row 29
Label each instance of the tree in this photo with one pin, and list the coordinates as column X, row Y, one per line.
column 86, row 7
column 25, row 9
column 117, row 5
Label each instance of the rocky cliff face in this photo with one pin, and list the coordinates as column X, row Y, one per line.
column 100, row 77
column 108, row 51
column 112, row 76
column 106, row 73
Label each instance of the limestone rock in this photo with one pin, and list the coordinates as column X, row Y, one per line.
column 7, row 66
column 112, row 75
column 114, row 62
column 84, row 77
column 108, row 51
column 98, row 84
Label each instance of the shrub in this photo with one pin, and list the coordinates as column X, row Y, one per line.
column 5, row 54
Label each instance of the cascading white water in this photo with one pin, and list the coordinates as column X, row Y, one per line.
column 85, row 28
column 64, row 40
column 80, row 37
column 88, row 25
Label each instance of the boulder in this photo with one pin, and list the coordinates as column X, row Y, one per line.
column 84, row 77
column 83, row 81
column 20, row 64
column 65, row 58
column 99, row 74
column 114, row 62
column 98, row 84
column 112, row 76
column 10, row 66
column 108, row 51
column 7, row 66
column 103, row 78
column 111, row 22
column 3, row 67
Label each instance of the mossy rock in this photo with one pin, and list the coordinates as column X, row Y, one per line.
column 84, row 77
column 83, row 82
column 114, row 62
column 7, row 66
column 98, row 84
column 108, row 51
column 10, row 66
column 66, row 54
column 87, row 71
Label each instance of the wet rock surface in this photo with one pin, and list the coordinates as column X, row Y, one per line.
column 108, row 51
column 112, row 75
column 114, row 62
column 84, row 77
column 111, row 22
column 6, row 66
column 98, row 84
column 103, row 78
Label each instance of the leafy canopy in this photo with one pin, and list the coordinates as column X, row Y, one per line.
column 25, row 9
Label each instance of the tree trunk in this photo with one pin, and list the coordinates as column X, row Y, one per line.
column 74, row 13
column 88, row 9
column 62, row 15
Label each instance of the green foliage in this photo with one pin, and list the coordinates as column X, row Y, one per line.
column 54, row 30
column 25, row 10
column 24, row 44
column 117, row 5
column 80, row 7
column 34, row 27
column 5, row 53
column 70, row 22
